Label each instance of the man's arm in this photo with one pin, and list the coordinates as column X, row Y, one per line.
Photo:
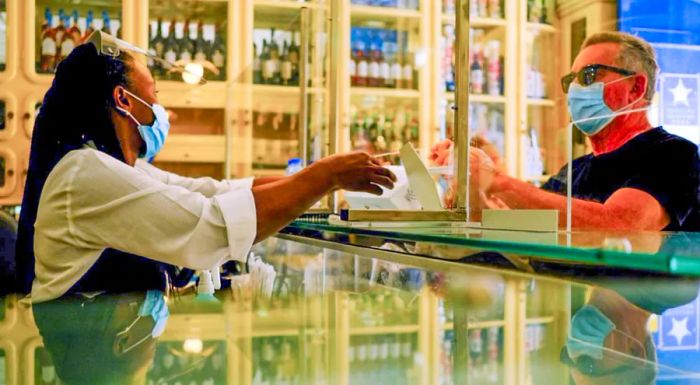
column 257, row 182
column 627, row 208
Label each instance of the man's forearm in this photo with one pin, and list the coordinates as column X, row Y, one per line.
column 585, row 214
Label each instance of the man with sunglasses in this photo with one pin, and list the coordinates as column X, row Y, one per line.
column 638, row 177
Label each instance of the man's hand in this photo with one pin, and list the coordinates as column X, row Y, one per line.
column 481, row 176
column 358, row 171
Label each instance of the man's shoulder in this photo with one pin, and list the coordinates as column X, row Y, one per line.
column 662, row 140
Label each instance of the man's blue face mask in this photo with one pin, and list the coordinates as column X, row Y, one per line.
column 588, row 109
column 153, row 135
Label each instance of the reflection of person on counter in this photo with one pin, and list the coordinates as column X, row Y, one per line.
column 97, row 217
column 638, row 177
column 101, row 340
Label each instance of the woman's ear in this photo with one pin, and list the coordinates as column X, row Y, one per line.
column 120, row 99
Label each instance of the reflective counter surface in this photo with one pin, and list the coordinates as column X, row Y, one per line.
column 368, row 315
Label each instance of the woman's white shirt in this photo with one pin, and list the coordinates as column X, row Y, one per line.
column 91, row 202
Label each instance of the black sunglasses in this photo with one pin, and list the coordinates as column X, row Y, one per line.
column 588, row 74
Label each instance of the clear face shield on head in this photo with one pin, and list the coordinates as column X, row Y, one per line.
column 192, row 73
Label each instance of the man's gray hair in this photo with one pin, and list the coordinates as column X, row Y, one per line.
column 635, row 55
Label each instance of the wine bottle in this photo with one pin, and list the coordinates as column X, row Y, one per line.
column 48, row 44
column 200, row 45
column 407, row 72
column 186, row 44
column 257, row 67
column 170, row 49
column 294, row 58
column 268, row 67
column 275, row 58
column 67, row 43
column 106, row 23
column 89, row 25
column 157, row 48
column 285, row 66
column 218, row 52
column 477, row 74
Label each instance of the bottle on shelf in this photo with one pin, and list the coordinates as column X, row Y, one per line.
column 285, row 66
column 483, row 8
column 106, row 23
column 217, row 55
column 373, row 78
column 268, row 66
column 275, row 59
column 448, row 7
column 72, row 36
column 474, row 8
column 492, row 375
column 294, row 59
column 477, row 72
column 407, row 72
column 385, row 66
column 257, row 66
column 89, row 25
column 544, row 19
column 59, row 33
column 156, row 46
column 48, row 44
column 493, row 68
column 475, row 354
column 495, row 9
column 186, row 49
column 171, row 48
column 200, row 44
column 362, row 67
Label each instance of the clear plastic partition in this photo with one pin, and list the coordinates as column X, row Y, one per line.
column 283, row 92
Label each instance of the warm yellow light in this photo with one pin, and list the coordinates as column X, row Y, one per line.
column 193, row 345
column 193, row 73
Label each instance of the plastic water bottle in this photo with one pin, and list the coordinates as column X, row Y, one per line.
column 293, row 166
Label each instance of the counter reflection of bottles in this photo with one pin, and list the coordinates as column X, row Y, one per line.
column 187, row 42
column 272, row 64
column 60, row 33
column 384, row 129
column 275, row 361
column 380, row 58
column 402, row 4
column 485, row 348
column 382, row 308
column 172, row 364
column 382, row 359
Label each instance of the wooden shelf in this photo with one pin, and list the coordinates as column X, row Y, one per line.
column 393, row 329
column 478, row 22
column 539, row 320
column 450, row 96
column 385, row 92
column 383, row 13
column 284, row 90
column 541, row 102
column 283, row 5
column 194, row 148
column 261, row 172
column 541, row 28
column 477, row 324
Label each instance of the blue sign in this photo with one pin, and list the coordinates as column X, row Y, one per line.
column 679, row 100
column 678, row 328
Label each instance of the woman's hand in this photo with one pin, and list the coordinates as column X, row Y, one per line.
column 358, row 171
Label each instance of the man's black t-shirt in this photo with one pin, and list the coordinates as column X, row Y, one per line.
column 663, row 165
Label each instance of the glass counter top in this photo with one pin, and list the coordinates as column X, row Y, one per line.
column 661, row 252
column 352, row 318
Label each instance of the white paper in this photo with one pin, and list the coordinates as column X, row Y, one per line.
column 419, row 178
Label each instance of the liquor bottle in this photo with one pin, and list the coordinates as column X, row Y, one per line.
column 495, row 9
column 475, row 354
column 474, row 7
column 492, row 365
column 285, row 66
column 385, row 67
column 477, row 74
column 294, row 58
column 396, row 72
column 483, row 8
column 186, row 44
column 362, row 66
column 157, row 44
column 70, row 37
column 59, row 33
column 268, row 67
column 170, row 48
column 106, row 23
column 48, row 44
column 352, row 66
column 257, row 67
column 275, row 58
column 217, row 55
column 543, row 13
column 89, row 25
column 493, row 69
column 406, row 364
column 373, row 79
column 200, row 45
column 407, row 72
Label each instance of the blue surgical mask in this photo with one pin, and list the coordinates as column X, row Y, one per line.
column 589, row 328
column 588, row 109
column 153, row 135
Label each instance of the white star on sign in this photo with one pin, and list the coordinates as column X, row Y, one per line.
column 680, row 94
column 679, row 329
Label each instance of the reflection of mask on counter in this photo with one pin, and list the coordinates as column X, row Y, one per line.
column 589, row 328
